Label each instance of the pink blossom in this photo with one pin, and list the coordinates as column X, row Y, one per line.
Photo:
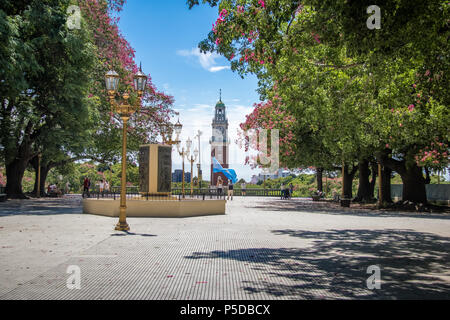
column 316, row 37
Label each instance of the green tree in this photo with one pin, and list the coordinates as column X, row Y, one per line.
column 341, row 79
column 44, row 84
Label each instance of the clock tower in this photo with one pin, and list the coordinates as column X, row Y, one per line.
column 219, row 141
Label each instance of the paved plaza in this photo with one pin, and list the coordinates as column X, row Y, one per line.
column 261, row 249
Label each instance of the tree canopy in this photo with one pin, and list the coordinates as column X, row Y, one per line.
column 356, row 93
column 52, row 93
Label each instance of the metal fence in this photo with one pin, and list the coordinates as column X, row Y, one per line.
column 177, row 194
column 236, row 192
column 134, row 194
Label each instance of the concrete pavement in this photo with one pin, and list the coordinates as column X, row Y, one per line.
column 262, row 249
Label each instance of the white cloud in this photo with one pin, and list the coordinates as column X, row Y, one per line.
column 216, row 69
column 206, row 60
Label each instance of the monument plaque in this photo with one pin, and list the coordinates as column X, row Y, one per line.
column 144, row 169
column 164, row 169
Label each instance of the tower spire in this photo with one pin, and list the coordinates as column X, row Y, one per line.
column 220, row 95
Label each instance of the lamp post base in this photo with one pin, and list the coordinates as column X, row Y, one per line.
column 122, row 226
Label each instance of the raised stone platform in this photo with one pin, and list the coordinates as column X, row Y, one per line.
column 155, row 208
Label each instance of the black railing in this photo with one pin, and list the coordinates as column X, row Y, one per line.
column 177, row 194
column 114, row 193
column 134, row 194
column 236, row 192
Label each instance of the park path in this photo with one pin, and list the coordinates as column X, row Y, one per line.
column 261, row 249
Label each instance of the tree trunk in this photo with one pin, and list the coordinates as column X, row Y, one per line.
column 427, row 176
column 364, row 184
column 319, row 176
column 44, row 173
column 14, row 175
column 386, row 173
column 373, row 181
column 414, row 188
column 347, row 181
column 16, row 162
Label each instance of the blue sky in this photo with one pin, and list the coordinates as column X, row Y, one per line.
column 165, row 35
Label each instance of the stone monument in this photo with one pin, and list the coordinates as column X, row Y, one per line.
column 155, row 169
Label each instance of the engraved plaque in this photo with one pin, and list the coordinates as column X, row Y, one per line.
column 144, row 167
column 164, row 169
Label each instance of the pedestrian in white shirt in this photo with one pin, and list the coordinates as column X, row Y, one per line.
column 243, row 188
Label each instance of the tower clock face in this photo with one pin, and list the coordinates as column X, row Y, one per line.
column 220, row 132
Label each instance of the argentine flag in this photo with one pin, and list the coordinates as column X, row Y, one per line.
column 229, row 173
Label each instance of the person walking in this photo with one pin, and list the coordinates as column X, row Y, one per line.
column 243, row 188
column 101, row 186
column 283, row 191
column 230, row 190
column 67, row 188
column 291, row 190
column 86, row 186
column 219, row 186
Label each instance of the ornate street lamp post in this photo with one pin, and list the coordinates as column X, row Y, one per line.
column 167, row 133
column 184, row 153
column 125, row 110
column 199, row 164
column 192, row 159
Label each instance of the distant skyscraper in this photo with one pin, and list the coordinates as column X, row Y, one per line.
column 177, row 176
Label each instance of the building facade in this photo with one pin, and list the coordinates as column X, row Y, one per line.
column 281, row 173
column 177, row 176
column 219, row 141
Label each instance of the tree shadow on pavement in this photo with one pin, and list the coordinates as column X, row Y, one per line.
column 413, row 265
column 327, row 207
column 41, row 207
